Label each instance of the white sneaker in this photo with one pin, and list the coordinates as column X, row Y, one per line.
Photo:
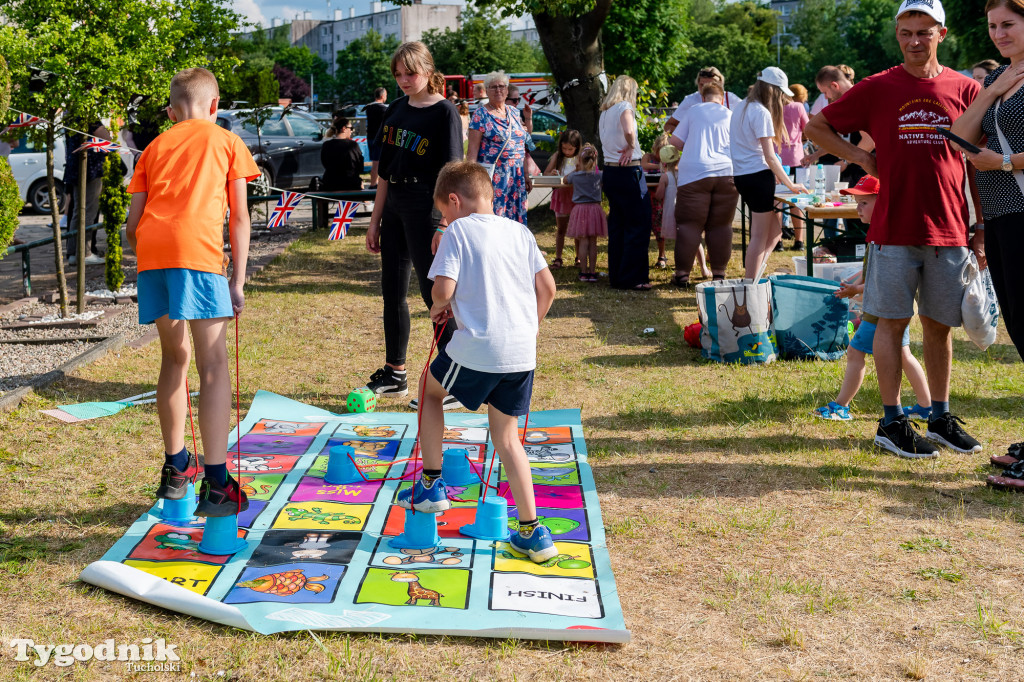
column 72, row 260
column 450, row 402
column 93, row 259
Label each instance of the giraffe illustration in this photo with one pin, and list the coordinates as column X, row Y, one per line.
column 415, row 590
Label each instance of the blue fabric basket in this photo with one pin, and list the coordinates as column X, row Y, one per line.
column 809, row 320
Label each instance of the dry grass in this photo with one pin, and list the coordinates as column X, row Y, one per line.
column 749, row 540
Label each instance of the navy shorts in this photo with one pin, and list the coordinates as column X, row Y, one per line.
column 507, row 393
column 374, row 150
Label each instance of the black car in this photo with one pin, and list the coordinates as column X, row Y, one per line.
column 287, row 148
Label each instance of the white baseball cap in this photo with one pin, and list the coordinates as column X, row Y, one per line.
column 932, row 8
column 773, row 75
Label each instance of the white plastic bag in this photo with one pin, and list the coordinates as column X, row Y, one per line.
column 979, row 309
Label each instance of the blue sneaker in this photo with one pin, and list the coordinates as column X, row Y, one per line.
column 430, row 500
column 539, row 546
column 834, row 411
column 918, row 412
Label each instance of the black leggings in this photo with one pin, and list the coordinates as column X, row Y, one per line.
column 406, row 229
column 1004, row 244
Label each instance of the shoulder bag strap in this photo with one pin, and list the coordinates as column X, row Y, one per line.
column 1005, row 146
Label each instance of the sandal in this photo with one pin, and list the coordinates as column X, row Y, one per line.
column 681, row 281
column 584, row 277
column 556, row 264
column 662, row 263
column 646, row 286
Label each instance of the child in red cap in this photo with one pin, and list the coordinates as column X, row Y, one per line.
column 866, row 192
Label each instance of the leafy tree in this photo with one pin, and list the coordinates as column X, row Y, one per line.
column 646, row 39
column 363, row 66
column 480, row 45
column 114, row 201
column 99, row 53
column 291, row 86
column 10, row 197
column 968, row 27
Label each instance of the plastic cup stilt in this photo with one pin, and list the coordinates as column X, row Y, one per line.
column 180, row 512
column 341, row 468
column 420, row 532
column 220, row 536
column 456, row 469
column 491, row 520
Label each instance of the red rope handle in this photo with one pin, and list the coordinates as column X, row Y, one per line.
column 238, row 418
column 188, row 396
column 419, row 411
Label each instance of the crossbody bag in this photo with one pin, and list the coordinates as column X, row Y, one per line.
column 1005, row 146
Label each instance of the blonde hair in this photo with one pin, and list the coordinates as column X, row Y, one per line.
column 710, row 72
column 193, row 86
column 712, row 89
column 773, row 99
column 588, row 158
column 799, row 92
column 659, row 142
column 415, row 57
column 847, row 71
column 623, row 89
column 468, row 179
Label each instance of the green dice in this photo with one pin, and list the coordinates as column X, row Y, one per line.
column 361, row 400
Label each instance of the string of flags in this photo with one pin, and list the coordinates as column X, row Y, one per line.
column 286, row 203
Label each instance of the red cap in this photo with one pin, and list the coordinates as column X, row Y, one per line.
column 867, row 185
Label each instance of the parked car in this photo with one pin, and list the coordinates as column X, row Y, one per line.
column 543, row 122
column 287, row 148
column 28, row 161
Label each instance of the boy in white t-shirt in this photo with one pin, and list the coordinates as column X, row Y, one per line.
column 490, row 276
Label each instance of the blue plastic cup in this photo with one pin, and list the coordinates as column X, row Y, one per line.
column 420, row 532
column 491, row 520
column 341, row 467
column 180, row 512
column 220, row 536
column 456, row 469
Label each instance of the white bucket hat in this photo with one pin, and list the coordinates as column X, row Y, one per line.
column 773, row 75
column 932, row 8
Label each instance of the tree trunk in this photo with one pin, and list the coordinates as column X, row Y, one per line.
column 572, row 46
column 58, row 251
column 83, row 157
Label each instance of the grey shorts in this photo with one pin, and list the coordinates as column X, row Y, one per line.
column 933, row 273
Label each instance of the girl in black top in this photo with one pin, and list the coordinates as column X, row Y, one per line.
column 420, row 133
column 341, row 158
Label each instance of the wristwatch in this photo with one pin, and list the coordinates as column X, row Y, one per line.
column 1007, row 164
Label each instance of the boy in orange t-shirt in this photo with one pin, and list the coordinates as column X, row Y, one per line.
column 184, row 182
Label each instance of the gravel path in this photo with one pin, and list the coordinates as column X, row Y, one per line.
column 20, row 363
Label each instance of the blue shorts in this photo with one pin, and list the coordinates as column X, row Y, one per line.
column 183, row 294
column 864, row 339
column 508, row 393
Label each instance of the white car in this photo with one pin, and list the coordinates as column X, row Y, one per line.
column 28, row 161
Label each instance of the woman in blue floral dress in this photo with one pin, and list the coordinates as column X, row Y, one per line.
column 497, row 136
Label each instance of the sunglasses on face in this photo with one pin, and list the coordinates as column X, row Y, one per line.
column 513, row 100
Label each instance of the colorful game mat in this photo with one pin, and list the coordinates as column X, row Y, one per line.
column 317, row 555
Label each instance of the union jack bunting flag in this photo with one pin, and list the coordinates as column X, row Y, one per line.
column 96, row 144
column 285, row 205
column 25, row 120
column 343, row 216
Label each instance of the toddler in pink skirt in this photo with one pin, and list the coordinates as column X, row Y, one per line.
column 587, row 220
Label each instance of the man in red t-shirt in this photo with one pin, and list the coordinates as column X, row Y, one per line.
column 918, row 236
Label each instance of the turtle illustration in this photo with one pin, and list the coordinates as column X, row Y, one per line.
column 569, row 561
column 284, row 584
column 321, row 517
column 177, row 541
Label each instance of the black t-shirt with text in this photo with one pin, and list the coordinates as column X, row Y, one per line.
column 416, row 142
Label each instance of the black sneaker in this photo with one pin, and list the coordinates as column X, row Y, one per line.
column 945, row 430
column 174, row 483
column 450, row 402
column 385, row 382
column 900, row 438
column 218, row 500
